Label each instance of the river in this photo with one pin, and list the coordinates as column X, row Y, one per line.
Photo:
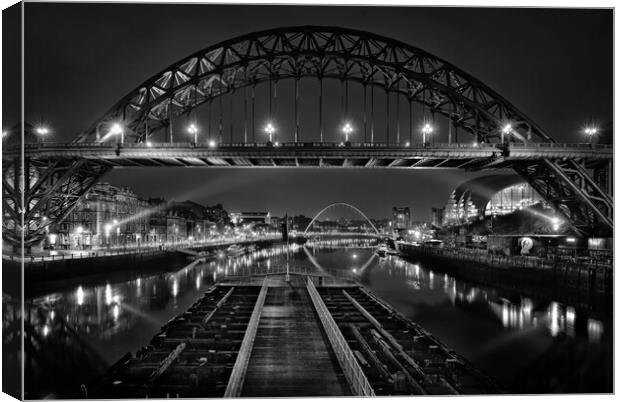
column 528, row 345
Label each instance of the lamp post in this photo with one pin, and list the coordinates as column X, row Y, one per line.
column 347, row 129
column 591, row 132
column 270, row 129
column 193, row 130
column 42, row 132
column 426, row 130
column 117, row 129
column 506, row 130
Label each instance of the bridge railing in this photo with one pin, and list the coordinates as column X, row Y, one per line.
column 353, row 372
column 237, row 377
column 378, row 145
column 141, row 145
column 580, row 145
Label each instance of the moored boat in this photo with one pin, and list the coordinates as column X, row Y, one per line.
column 235, row 250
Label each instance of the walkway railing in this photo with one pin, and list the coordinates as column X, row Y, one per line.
column 353, row 372
column 235, row 382
column 417, row 145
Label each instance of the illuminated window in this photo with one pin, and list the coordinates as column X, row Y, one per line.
column 511, row 199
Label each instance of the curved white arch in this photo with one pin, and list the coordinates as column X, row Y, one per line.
column 320, row 268
column 347, row 205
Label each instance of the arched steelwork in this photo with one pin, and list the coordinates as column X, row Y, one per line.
column 323, row 52
column 346, row 205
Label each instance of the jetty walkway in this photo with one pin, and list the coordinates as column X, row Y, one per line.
column 290, row 335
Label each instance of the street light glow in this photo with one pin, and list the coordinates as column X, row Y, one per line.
column 212, row 144
column 270, row 129
column 555, row 223
column 427, row 129
column 193, row 130
column 507, row 128
column 591, row 131
column 116, row 129
column 347, row 129
column 42, row 130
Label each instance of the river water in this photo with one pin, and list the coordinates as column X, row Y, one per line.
column 528, row 345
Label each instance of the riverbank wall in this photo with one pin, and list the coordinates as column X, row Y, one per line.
column 68, row 268
column 574, row 282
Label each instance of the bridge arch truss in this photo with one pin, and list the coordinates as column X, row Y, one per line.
column 322, row 52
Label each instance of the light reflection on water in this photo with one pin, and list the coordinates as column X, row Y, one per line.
column 115, row 318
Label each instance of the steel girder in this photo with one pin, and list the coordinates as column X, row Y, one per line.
column 322, row 52
column 50, row 189
column 570, row 188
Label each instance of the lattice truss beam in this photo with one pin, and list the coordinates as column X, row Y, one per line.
column 51, row 189
column 583, row 198
column 322, row 52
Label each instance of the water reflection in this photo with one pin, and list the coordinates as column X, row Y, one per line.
column 110, row 319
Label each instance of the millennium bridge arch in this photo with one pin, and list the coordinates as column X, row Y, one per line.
column 335, row 204
column 573, row 178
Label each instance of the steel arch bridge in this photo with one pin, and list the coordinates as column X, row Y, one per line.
column 334, row 204
column 322, row 52
column 480, row 128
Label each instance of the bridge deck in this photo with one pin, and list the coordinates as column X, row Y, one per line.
column 291, row 354
column 416, row 156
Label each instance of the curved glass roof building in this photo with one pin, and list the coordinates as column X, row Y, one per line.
column 486, row 196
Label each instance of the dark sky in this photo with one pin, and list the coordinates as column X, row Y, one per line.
column 554, row 65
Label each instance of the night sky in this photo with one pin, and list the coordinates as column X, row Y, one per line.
column 554, row 65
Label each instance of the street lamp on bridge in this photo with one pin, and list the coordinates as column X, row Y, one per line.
column 270, row 129
column 426, row 130
column 42, row 130
column 506, row 130
column 591, row 132
column 347, row 129
column 117, row 129
column 193, row 130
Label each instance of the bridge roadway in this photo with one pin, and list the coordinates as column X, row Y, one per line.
column 355, row 155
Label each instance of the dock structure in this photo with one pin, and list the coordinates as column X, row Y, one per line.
column 290, row 336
